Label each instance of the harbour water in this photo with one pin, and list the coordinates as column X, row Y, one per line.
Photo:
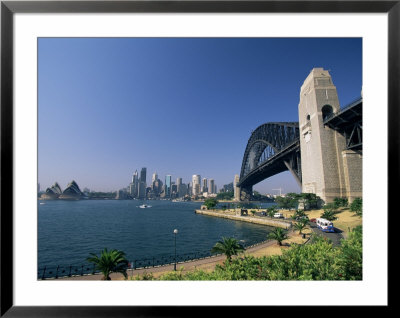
column 68, row 231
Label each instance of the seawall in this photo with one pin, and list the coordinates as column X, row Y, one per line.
column 250, row 219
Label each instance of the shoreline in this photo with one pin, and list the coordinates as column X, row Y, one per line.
column 250, row 219
column 266, row 248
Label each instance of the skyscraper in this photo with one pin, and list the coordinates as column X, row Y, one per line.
column 168, row 182
column 143, row 175
column 133, row 187
column 196, row 184
column 205, row 187
column 211, row 186
column 155, row 177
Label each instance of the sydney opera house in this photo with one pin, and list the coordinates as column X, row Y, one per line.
column 71, row 192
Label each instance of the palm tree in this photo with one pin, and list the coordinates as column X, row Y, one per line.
column 110, row 261
column 278, row 234
column 300, row 226
column 228, row 246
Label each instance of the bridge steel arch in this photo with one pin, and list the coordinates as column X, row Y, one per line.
column 272, row 148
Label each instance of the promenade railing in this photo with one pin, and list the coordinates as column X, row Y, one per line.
column 61, row 271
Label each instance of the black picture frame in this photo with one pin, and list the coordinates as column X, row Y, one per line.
column 8, row 8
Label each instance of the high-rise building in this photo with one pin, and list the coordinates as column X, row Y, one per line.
column 154, row 177
column 205, row 187
column 196, row 184
column 211, row 186
column 133, row 187
column 142, row 190
column 168, row 183
column 143, row 175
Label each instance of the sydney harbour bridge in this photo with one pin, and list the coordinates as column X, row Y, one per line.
column 276, row 146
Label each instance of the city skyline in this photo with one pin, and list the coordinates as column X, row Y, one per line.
column 183, row 106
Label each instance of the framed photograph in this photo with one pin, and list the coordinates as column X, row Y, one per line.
column 196, row 154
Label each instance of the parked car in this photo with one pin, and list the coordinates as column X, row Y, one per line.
column 300, row 218
column 278, row 215
column 313, row 220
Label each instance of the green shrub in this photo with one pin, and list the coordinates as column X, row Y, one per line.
column 356, row 206
column 340, row 202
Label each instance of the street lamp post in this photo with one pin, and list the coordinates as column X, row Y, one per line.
column 175, row 232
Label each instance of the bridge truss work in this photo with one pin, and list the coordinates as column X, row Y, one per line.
column 271, row 149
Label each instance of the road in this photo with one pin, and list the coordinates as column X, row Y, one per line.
column 335, row 237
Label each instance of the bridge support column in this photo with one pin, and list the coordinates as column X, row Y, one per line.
column 321, row 147
column 246, row 193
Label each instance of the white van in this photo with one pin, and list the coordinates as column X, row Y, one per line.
column 325, row 225
column 278, row 215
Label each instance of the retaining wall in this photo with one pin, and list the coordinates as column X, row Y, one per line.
column 250, row 219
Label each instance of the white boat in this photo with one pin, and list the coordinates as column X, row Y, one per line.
column 144, row 206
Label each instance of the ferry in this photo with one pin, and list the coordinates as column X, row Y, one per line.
column 325, row 225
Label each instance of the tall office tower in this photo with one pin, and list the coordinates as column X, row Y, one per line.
column 182, row 190
column 143, row 175
column 215, row 189
column 142, row 190
column 197, row 189
column 168, row 183
column 178, row 185
column 236, row 189
column 211, row 186
column 154, row 177
column 134, row 185
column 195, row 181
column 205, row 187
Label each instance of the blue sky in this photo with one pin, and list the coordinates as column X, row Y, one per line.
column 179, row 106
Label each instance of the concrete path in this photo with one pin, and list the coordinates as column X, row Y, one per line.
column 206, row 263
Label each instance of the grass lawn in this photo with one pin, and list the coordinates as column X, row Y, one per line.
column 346, row 219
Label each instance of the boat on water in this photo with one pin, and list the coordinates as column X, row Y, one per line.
column 144, row 206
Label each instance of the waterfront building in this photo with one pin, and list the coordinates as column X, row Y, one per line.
column 196, row 189
column 205, row 187
column 133, row 188
column 142, row 190
column 228, row 187
column 236, row 189
column 182, row 190
column 143, row 175
column 71, row 192
column 211, row 186
column 52, row 193
column 154, row 177
column 196, row 184
column 168, row 183
column 157, row 187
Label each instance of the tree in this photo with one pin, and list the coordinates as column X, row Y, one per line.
column 110, row 261
column 225, row 195
column 278, row 234
column 301, row 225
column 210, row 203
column 328, row 215
column 271, row 211
column 356, row 206
column 228, row 246
column 289, row 201
column 311, row 200
column 340, row 202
